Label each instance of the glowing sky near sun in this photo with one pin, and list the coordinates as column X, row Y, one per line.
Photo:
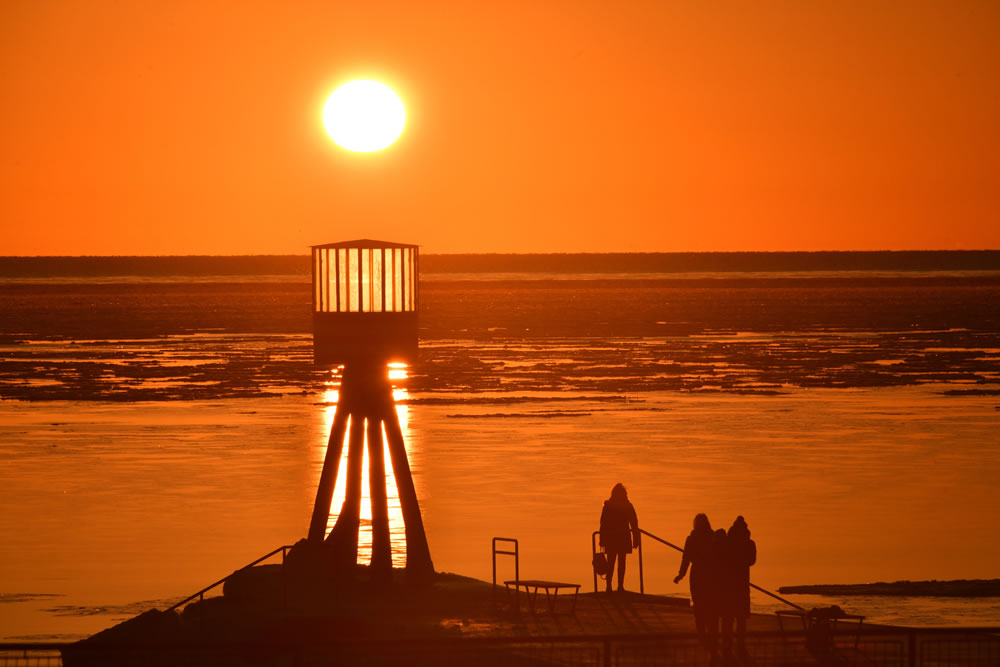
column 196, row 128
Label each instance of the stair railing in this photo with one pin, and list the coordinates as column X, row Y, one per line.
column 659, row 539
column 201, row 594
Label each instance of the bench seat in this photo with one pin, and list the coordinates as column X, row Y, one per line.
column 551, row 588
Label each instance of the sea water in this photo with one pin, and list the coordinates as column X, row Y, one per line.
column 859, row 446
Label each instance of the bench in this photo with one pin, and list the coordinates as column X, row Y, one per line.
column 530, row 586
column 551, row 588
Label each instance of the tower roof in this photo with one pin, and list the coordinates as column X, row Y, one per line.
column 365, row 243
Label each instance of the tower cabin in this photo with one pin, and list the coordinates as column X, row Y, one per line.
column 365, row 298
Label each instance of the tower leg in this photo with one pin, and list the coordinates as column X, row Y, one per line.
column 366, row 405
column 328, row 478
column 343, row 539
column 418, row 554
column 381, row 566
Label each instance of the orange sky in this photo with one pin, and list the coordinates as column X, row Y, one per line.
column 174, row 127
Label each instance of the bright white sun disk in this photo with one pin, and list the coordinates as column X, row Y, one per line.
column 364, row 116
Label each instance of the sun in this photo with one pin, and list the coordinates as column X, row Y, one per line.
column 364, row 116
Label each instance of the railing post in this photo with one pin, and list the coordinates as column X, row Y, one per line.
column 642, row 588
column 911, row 649
column 593, row 551
column 494, row 572
column 607, row 653
column 517, row 568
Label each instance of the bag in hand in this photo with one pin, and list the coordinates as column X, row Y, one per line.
column 601, row 564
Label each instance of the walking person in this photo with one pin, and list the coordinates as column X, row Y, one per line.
column 721, row 605
column 698, row 555
column 619, row 532
column 742, row 553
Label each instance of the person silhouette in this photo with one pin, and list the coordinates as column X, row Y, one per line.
column 720, row 614
column 619, row 531
column 698, row 555
column 741, row 553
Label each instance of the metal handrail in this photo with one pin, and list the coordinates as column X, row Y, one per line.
column 661, row 540
column 447, row 641
column 681, row 549
column 909, row 641
column 593, row 548
column 517, row 562
column 962, row 632
column 201, row 594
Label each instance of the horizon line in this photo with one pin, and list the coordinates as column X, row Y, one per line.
column 523, row 254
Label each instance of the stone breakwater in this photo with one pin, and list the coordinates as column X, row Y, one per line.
column 960, row 588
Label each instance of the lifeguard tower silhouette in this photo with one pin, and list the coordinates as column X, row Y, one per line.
column 365, row 301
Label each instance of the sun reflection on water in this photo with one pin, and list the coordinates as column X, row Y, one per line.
column 398, row 372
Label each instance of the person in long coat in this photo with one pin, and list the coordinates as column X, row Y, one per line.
column 741, row 554
column 722, row 605
column 619, row 531
column 699, row 556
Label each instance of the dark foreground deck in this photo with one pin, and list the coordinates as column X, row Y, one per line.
column 455, row 622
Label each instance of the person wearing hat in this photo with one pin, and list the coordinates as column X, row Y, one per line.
column 741, row 553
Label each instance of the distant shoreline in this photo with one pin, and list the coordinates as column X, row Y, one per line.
column 555, row 263
column 958, row 588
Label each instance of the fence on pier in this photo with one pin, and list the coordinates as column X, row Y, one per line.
column 902, row 647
